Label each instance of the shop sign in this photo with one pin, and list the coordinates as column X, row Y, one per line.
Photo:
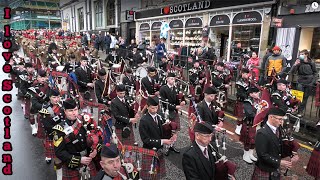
column 156, row 26
column 314, row 7
column 194, row 22
column 144, row 27
column 129, row 15
column 220, row 20
column 175, row 24
column 187, row 7
column 247, row 18
column 276, row 22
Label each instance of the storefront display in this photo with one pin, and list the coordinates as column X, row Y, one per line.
column 193, row 32
column 155, row 31
column 145, row 33
column 219, row 27
column 176, row 33
column 246, row 33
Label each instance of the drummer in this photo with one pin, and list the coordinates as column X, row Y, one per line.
column 84, row 78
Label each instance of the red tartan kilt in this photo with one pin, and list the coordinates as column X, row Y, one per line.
column 176, row 120
column 258, row 174
column 192, row 91
column 41, row 131
column 146, row 166
column 70, row 174
column 48, row 148
column 247, row 136
column 238, row 110
column 27, row 107
column 127, row 141
column 313, row 167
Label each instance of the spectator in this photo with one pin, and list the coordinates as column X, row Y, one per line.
column 132, row 45
column 307, row 76
column 114, row 41
column 276, row 64
column 88, row 38
column 263, row 64
column 253, row 64
column 161, row 49
column 84, row 39
column 107, row 42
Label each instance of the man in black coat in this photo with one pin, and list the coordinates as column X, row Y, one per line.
column 124, row 116
column 110, row 162
column 208, row 110
column 269, row 148
column 151, row 133
column 99, row 87
column 198, row 162
column 83, row 73
column 148, row 82
column 128, row 80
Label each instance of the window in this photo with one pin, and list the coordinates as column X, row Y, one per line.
column 111, row 12
column 80, row 18
column 98, row 9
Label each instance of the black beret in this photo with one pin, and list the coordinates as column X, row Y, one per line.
column 42, row 73
column 84, row 58
column 283, row 81
column 109, row 151
column 210, row 90
column 276, row 111
column 69, row 104
column 28, row 65
column 129, row 70
column 54, row 92
column 203, row 128
column 153, row 101
column 152, row 69
column 102, row 72
column 253, row 90
column 21, row 64
column 245, row 70
column 170, row 74
column 220, row 64
column 121, row 88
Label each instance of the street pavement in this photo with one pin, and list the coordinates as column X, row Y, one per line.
column 28, row 155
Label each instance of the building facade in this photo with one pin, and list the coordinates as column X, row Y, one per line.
column 35, row 14
column 234, row 25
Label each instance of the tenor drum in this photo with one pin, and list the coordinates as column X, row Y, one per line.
column 141, row 72
column 116, row 68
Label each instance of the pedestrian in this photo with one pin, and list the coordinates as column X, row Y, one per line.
column 253, row 66
column 107, row 42
column 275, row 65
column 269, row 147
column 307, row 76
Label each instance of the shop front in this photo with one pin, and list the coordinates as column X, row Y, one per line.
column 144, row 33
column 300, row 26
column 233, row 27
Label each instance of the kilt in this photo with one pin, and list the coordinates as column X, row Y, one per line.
column 258, row 174
column 48, row 147
column 32, row 119
column 41, row 131
column 313, row 167
column 238, row 111
column 27, row 107
column 125, row 141
column 146, row 166
column 174, row 117
column 70, row 174
column 247, row 136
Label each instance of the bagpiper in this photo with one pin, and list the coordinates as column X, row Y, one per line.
column 70, row 144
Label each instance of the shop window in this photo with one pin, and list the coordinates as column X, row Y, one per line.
column 315, row 46
column 98, row 9
column 244, row 39
column 111, row 12
column 80, row 18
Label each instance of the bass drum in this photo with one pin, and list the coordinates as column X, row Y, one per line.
column 141, row 72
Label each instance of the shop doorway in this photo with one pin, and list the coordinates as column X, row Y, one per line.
column 219, row 41
column 310, row 40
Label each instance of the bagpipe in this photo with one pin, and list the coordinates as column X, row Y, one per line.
column 289, row 145
column 224, row 169
column 193, row 118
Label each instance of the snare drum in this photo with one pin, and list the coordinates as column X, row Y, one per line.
column 116, row 68
column 141, row 72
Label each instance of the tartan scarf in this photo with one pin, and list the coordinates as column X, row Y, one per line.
column 76, row 128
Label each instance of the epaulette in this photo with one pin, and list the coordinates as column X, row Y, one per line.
column 242, row 84
column 44, row 111
column 32, row 89
column 215, row 73
column 23, row 77
column 276, row 94
column 58, row 127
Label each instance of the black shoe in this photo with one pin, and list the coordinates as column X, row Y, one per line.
column 48, row 161
column 174, row 149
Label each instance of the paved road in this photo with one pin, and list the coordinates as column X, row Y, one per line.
column 29, row 164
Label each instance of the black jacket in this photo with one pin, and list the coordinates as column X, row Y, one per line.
column 98, row 88
column 171, row 95
column 121, row 113
column 83, row 78
column 151, row 132
column 148, row 86
column 307, row 72
column 268, row 148
column 196, row 166
column 206, row 114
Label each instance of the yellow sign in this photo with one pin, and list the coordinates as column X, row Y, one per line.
column 297, row 94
